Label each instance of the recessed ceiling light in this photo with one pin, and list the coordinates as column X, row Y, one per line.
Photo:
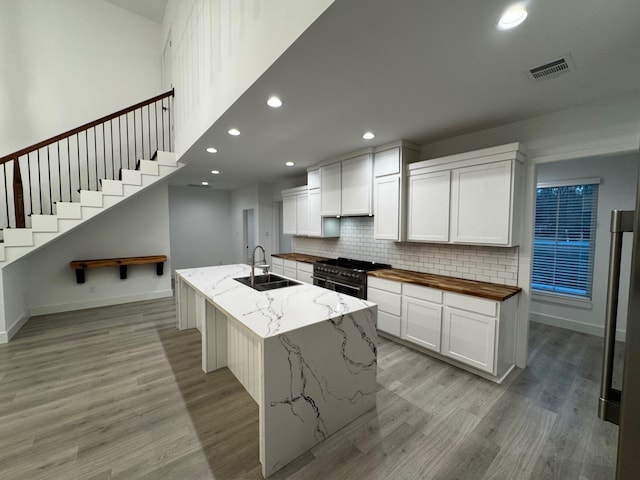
column 212, row 150
column 289, row 164
column 205, row 183
column 368, row 135
column 215, row 172
column 512, row 17
column 234, row 131
column 274, row 102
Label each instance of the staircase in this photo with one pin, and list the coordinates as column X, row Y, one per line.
column 81, row 173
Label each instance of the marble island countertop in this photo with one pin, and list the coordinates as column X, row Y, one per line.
column 271, row 312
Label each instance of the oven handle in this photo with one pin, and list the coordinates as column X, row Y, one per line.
column 344, row 285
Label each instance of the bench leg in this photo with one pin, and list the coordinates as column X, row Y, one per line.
column 79, row 275
column 123, row 272
column 159, row 268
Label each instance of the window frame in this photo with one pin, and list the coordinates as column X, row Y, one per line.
column 551, row 295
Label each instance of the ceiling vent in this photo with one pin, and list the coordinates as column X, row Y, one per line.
column 552, row 69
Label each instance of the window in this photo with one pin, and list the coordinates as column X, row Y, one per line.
column 564, row 238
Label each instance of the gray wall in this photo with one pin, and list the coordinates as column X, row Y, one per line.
column 200, row 228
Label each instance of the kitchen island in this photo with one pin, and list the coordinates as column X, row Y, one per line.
column 305, row 354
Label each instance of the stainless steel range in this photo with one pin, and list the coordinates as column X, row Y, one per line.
column 345, row 275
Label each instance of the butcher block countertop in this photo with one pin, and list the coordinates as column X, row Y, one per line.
column 492, row 291
column 299, row 257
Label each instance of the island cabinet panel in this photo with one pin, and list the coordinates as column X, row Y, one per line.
column 429, row 207
column 356, row 186
column 330, row 190
column 481, row 204
column 244, row 358
column 386, row 209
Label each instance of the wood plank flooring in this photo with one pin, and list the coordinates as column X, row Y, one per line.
column 117, row 393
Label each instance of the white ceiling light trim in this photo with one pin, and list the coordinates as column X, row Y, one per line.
column 289, row 164
column 215, row 172
column 368, row 135
column 274, row 102
column 212, row 150
column 512, row 17
column 234, row 132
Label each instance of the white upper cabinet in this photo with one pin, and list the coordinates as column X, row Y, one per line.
column 295, row 211
column 429, row 207
column 356, row 186
column 389, row 193
column 330, row 190
column 386, row 209
column 467, row 198
column 481, row 204
column 289, row 217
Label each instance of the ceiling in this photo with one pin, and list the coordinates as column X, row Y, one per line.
column 150, row 9
column 418, row 70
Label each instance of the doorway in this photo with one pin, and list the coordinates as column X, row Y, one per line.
column 248, row 230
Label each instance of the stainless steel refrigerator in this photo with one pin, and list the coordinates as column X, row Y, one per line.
column 623, row 406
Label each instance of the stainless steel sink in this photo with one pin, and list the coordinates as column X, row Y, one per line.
column 267, row 282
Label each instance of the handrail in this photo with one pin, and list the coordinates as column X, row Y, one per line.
column 59, row 168
column 86, row 126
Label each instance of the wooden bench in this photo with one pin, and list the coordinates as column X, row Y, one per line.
column 81, row 265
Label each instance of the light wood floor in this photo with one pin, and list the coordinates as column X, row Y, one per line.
column 117, row 393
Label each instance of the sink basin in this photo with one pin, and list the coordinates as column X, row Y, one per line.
column 267, row 282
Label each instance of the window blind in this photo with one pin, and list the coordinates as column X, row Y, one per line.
column 564, row 239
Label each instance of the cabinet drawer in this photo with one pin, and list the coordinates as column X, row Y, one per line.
column 304, row 277
column 471, row 304
column 305, row 267
column 388, row 323
column 290, row 264
column 290, row 272
column 387, row 302
column 422, row 293
column 277, row 262
column 382, row 284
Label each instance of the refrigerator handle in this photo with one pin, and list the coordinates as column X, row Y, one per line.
column 609, row 403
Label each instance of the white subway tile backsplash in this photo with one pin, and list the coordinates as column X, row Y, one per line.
column 487, row 264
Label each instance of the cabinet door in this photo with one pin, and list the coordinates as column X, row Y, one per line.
column 428, row 209
column 389, row 323
column 469, row 338
column 289, row 220
column 302, row 214
column 330, row 190
column 314, row 225
column 356, row 186
column 481, row 204
column 386, row 212
column 421, row 322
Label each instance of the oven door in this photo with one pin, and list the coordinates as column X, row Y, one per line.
column 340, row 287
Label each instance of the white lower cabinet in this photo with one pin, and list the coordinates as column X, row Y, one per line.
column 277, row 265
column 421, row 318
column 470, row 330
column 469, row 338
column 304, row 272
column 290, row 269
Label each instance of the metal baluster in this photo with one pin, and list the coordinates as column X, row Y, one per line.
column 155, row 110
column 49, row 176
column 79, row 169
column 6, row 192
column 113, row 165
column 170, row 102
column 95, row 153
column 128, row 157
column 39, row 181
column 86, row 145
column 69, row 165
column 135, row 139
column 104, row 151
column 163, row 124
column 149, row 127
column 29, row 182
column 59, row 178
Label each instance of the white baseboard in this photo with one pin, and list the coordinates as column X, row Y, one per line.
column 100, row 302
column 574, row 325
column 17, row 325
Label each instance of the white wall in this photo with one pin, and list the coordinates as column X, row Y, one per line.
column 260, row 199
column 68, row 62
column 219, row 48
column 14, row 310
column 617, row 190
column 200, row 227
column 136, row 227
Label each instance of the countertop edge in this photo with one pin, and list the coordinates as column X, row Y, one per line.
column 442, row 282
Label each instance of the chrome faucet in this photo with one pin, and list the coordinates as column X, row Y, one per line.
column 263, row 265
